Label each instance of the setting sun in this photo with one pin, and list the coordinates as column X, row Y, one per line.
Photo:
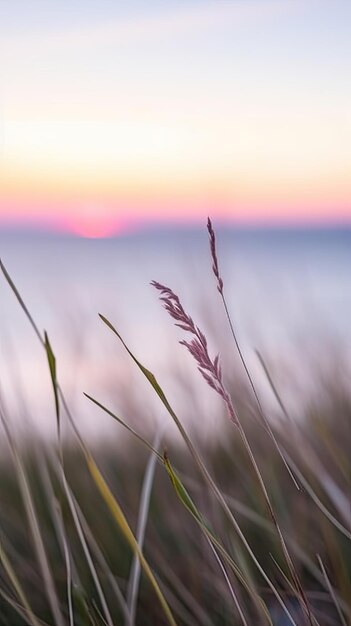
column 93, row 224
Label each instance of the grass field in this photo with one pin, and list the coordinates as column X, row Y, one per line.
column 249, row 526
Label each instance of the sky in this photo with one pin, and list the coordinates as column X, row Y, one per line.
column 116, row 115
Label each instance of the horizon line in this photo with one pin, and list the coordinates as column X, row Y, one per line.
column 113, row 231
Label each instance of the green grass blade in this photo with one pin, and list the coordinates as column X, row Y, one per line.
column 216, row 546
column 52, row 367
column 125, row 425
column 149, row 375
column 181, row 491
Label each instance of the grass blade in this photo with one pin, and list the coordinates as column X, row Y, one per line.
column 126, row 531
column 52, row 367
column 125, row 425
column 216, row 546
column 86, row 549
column 331, row 591
column 101, row 558
column 133, row 584
column 20, row 300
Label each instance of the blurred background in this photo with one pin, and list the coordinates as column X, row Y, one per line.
column 122, row 127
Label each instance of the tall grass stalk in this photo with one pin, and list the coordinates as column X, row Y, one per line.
column 220, row 287
column 206, row 475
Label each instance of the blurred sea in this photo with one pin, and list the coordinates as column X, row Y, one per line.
column 289, row 292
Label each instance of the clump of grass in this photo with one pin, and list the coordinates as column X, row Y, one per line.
column 223, row 535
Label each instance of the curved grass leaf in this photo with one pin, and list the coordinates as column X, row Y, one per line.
column 52, row 367
column 216, row 546
column 20, row 300
column 125, row 425
column 181, row 491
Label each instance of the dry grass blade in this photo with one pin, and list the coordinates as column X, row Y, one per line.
column 67, row 556
column 86, row 549
column 20, row 300
column 134, row 579
column 100, row 558
column 229, row 585
column 57, row 521
column 125, row 529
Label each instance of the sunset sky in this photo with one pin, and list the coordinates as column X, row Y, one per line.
column 119, row 114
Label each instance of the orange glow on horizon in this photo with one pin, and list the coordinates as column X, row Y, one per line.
column 93, row 231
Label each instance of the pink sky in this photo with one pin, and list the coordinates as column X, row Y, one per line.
column 169, row 113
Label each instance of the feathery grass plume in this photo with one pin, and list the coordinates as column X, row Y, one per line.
column 220, row 287
column 211, row 372
column 215, row 267
column 205, row 473
column 210, row 369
